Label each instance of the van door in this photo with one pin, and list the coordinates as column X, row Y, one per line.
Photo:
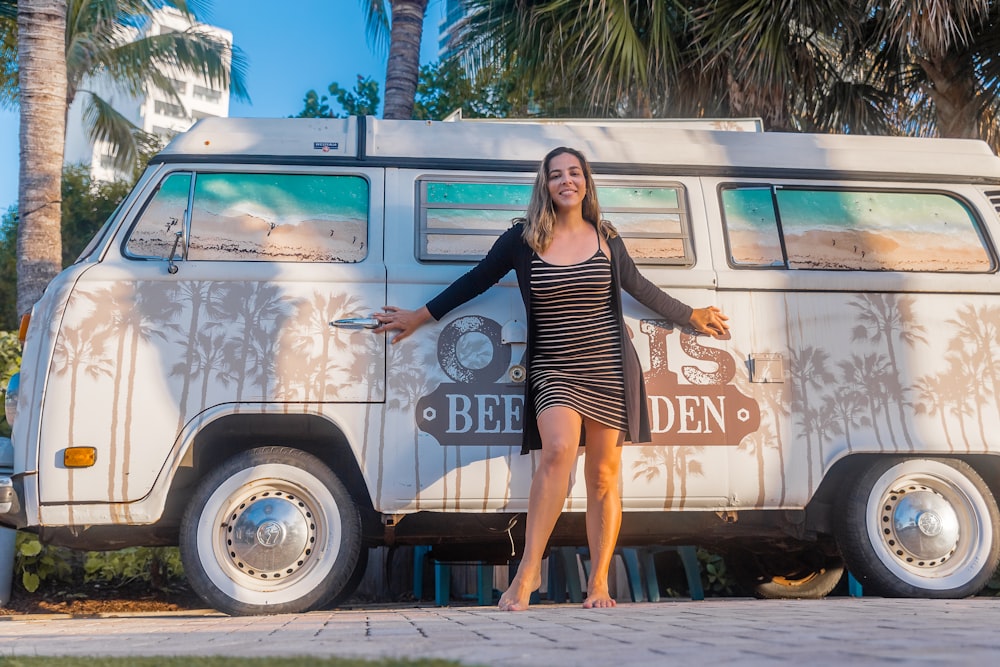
column 455, row 388
column 216, row 296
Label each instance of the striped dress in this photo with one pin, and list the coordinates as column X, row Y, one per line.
column 577, row 357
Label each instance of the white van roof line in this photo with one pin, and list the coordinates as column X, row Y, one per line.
column 607, row 141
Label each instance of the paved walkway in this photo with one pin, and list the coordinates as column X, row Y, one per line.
column 835, row 631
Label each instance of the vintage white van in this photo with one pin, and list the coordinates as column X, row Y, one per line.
column 206, row 373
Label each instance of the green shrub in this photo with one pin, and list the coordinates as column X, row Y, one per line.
column 160, row 567
column 36, row 563
column 10, row 361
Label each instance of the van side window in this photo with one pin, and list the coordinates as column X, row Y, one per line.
column 279, row 218
column 461, row 220
column 752, row 227
column 651, row 221
column 154, row 233
column 856, row 230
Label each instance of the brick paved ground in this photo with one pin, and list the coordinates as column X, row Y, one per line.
column 835, row 631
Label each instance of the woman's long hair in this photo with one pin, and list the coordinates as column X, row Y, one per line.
column 542, row 213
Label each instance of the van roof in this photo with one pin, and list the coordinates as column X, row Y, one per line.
column 611, row 145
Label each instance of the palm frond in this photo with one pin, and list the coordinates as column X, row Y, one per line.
column 107, row 125
column 376, row 24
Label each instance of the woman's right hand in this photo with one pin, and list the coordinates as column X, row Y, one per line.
column 403, row 321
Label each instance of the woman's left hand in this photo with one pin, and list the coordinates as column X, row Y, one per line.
column 709, row 321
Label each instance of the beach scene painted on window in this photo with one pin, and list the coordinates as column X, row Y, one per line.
column 462, row 220
column 279, row 217
column 854, row 230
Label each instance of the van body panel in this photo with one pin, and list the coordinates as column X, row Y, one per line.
column 142, row 351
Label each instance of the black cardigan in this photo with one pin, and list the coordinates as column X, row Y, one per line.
column 511, row 252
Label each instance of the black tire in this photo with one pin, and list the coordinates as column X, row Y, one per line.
column 804, row 576
column 272, row 530
column 920, row 527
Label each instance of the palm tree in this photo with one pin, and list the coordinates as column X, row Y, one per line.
column 41, row 61
column 102, row 38
column 596, row 58
column 403, row 66
column 941, row 62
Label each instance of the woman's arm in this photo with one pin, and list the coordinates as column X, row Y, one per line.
column 498, row 261
column 708, row 320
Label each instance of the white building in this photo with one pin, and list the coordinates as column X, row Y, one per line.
column 155, row 112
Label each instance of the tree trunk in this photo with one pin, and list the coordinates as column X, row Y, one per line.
column 404, row 58
column 954, row 95
column 41, row 63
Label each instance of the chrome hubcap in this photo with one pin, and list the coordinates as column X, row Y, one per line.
column 919, row 526
column 270, row 534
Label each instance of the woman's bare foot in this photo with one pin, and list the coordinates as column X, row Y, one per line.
column 518, row 594
column 599, row 599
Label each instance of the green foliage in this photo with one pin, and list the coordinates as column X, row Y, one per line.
column 715, row 576
column 445, row 87
column 8, row 270
column 86, row 205
column 362, row 101
column 157, row 566
column 37, row 563
column 10, row 361
column 442, row 88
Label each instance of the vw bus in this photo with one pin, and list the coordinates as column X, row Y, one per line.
column 206, row 374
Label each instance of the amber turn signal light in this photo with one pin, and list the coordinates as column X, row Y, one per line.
column 79, row 457
column 22, row 331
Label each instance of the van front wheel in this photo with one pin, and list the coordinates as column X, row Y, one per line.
column 920, row 528
column 273, row 530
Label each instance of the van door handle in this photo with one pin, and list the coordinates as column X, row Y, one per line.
column 356, row 323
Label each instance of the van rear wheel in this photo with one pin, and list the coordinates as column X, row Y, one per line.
column 916, row 527
column 273, row 530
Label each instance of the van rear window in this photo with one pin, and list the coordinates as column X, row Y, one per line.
column 461, row 220
column 852, row 230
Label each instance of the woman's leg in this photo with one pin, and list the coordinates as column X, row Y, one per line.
column 602, row 471
column 560, row 431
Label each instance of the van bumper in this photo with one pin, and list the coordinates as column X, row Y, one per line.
column 11, row 509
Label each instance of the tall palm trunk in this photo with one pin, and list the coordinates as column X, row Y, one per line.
column 41, row 65
column 404, row 58
column 954, row 93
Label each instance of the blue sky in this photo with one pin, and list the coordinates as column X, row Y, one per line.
column 291, row 47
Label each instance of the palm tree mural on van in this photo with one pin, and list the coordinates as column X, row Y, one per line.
column 253, row 310
column 808, row 371
column 756, row 444
column 411, row 379
column 198, row 296
column 980, row 330
column 932, row 391
column 75, row 351
column 130, row 315
column 884, row 319
column 320, row 356
column 844, row 406
column 865, row 375
column 676, row 463
column 970, row 381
